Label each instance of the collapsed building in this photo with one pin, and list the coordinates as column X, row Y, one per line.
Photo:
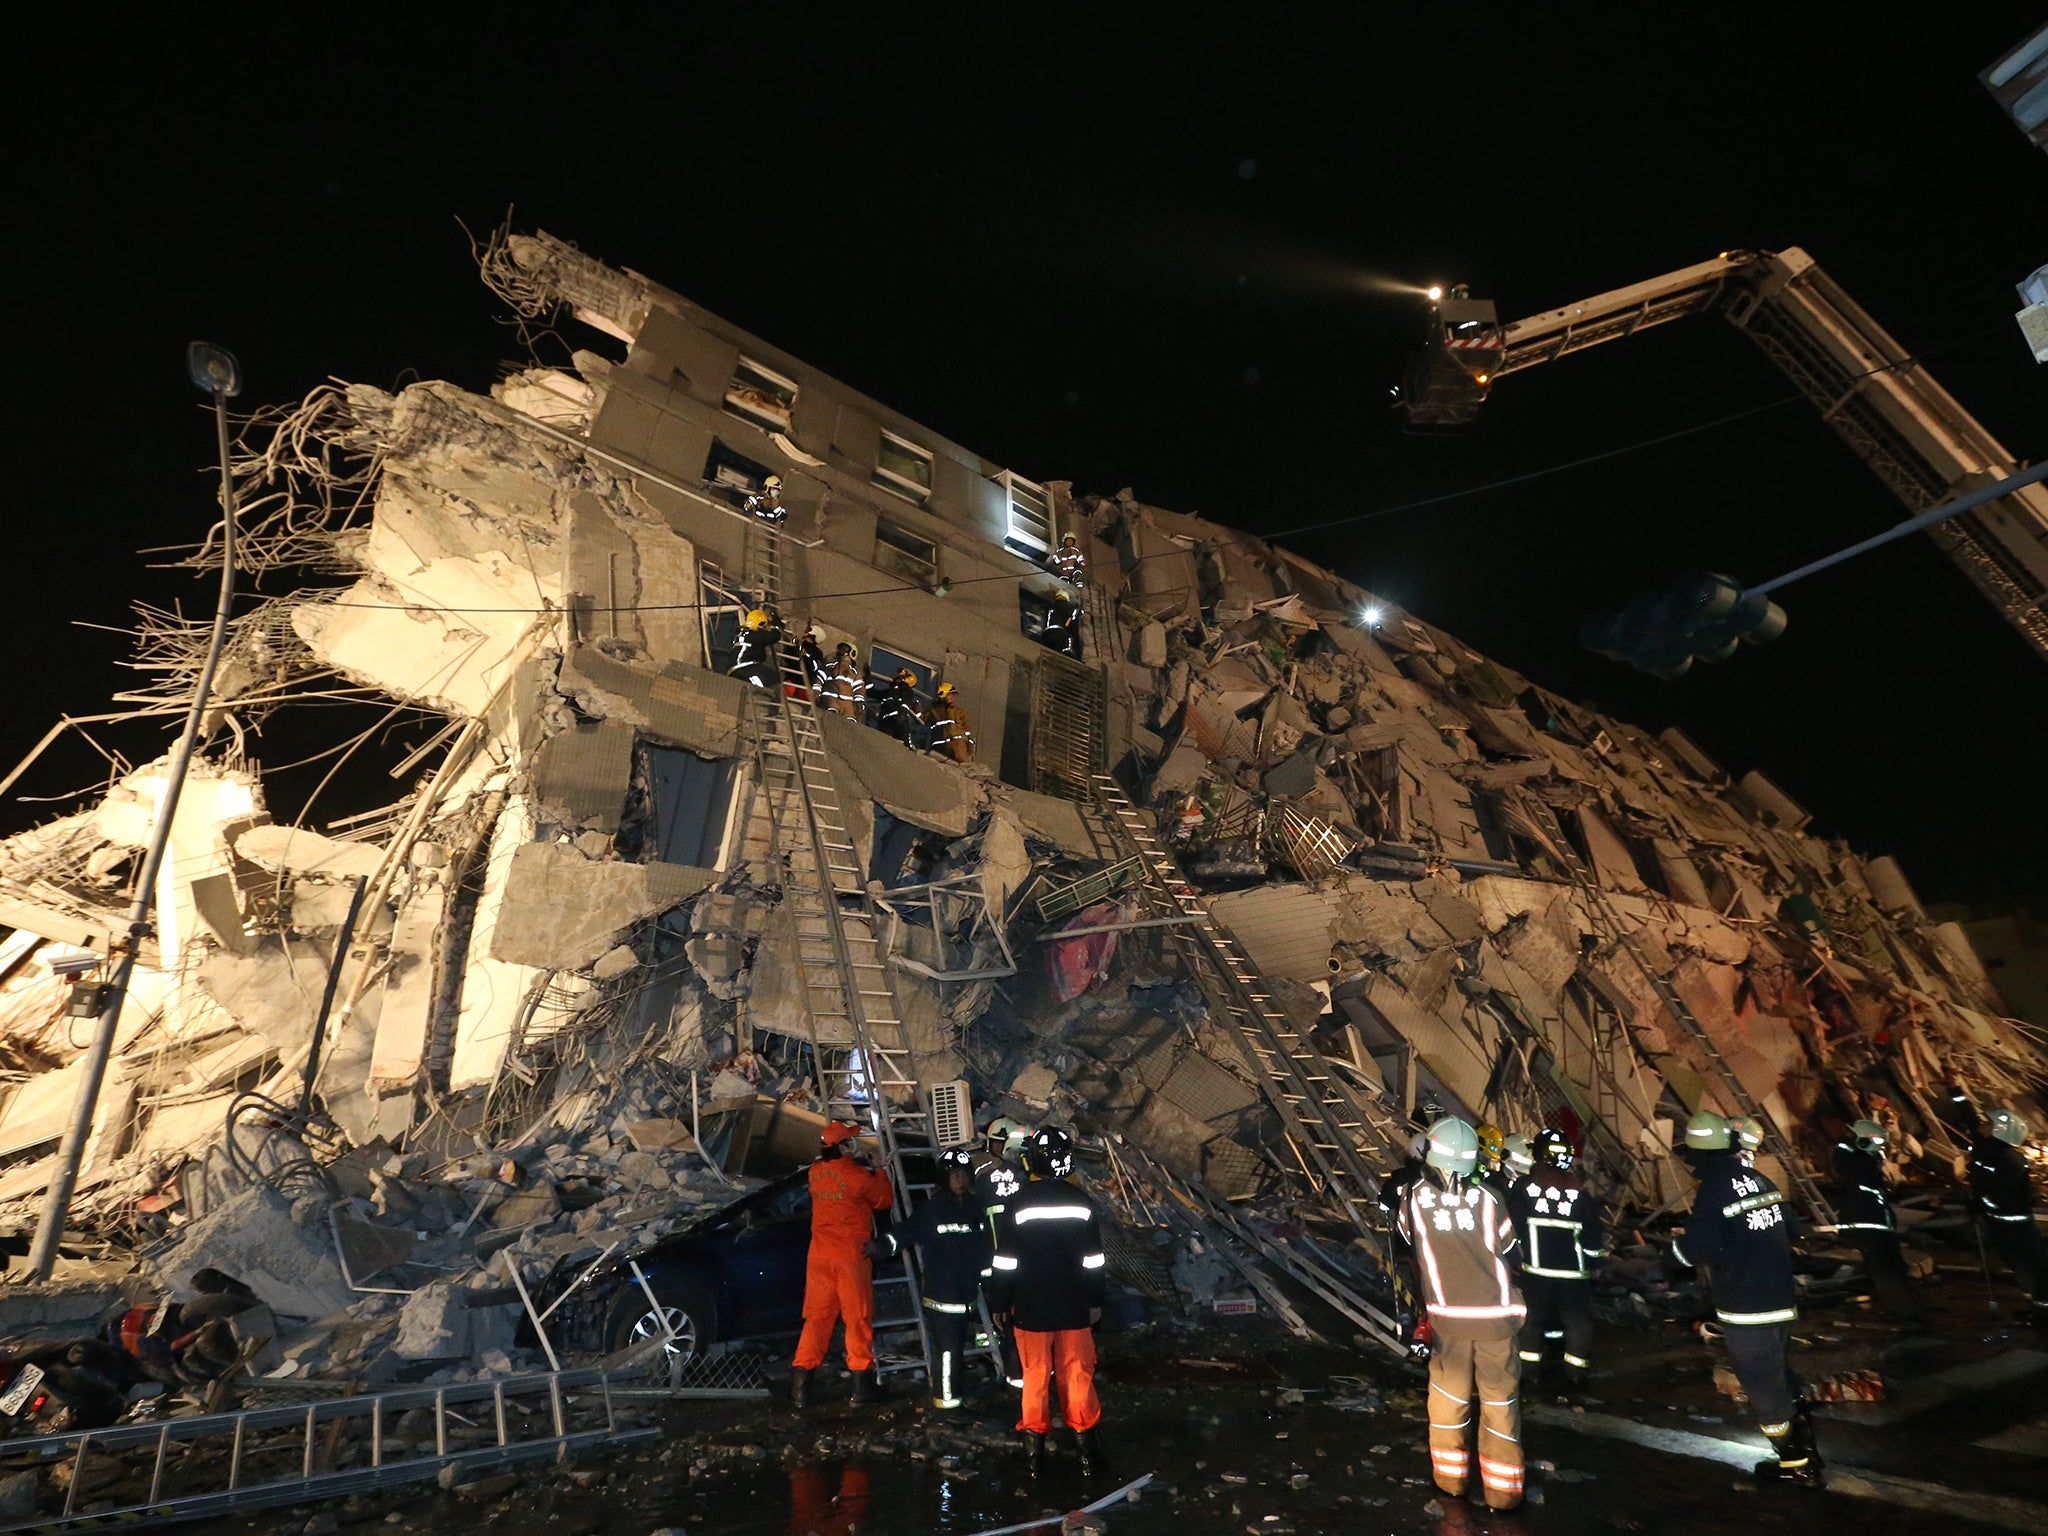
column 1260, row 879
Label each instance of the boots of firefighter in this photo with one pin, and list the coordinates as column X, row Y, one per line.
column 1575, row 1377
column 799, row 1386
column 1034, row 1455
column 1091, row 1452
column 866, row 1388
column 1796, row 1460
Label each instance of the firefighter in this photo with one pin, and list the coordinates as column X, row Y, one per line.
column 1492, row 1149
column 1868, row 1221
column 1518, row 1155
column 946, row 730
column 815, row 665
column 896, row 712
column 839, row 1279
column 953, row 1244
column 997, row 1177
column 2003, row 1198
column 1463, row 1240
column 1063, row 624
column 766, row 503
column 1741, row 1226
column 1744, row 1137
column 1558, row 1221
column 1050, row 1274
column 755, row 653
column 844, row 687
column 1068, row 563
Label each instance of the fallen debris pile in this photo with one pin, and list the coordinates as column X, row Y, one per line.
column 1254, row 875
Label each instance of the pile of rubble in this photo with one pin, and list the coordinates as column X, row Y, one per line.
column 571, row 1000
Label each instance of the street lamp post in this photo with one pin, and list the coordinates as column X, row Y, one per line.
column 216, row 373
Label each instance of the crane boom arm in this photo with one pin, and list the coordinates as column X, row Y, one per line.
column 1916, row 436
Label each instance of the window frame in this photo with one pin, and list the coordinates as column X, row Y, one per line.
column 762, row 420
column 894, row 560
column 896, row 484
column 1029, row 545
column 930, row 674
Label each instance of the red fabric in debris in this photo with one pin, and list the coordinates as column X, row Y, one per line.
column 1075, row 965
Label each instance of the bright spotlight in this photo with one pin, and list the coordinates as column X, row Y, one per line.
column 1436, row 291
column 1372, row 618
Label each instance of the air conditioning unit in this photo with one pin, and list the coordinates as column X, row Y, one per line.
column 952, row 1114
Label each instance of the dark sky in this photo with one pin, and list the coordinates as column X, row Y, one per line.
column 1123, row 253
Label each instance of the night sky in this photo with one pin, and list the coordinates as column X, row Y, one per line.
column 1167, row 255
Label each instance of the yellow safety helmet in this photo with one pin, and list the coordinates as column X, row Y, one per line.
column 945, row 690
column 1063, row 596
column 772, row 483
column 907, row 678
column 756, row 617
column 1492, row 1144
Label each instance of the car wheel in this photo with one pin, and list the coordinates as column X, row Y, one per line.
column 686, row 1308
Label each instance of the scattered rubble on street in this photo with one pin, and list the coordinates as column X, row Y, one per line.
column 1265, row 814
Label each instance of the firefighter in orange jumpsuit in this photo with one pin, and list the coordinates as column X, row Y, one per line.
column 839, row 1280
column 1050, row 1272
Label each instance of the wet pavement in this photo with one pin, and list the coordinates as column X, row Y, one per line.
column 1247, row 1430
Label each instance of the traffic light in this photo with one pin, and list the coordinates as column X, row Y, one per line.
column 1702, row 616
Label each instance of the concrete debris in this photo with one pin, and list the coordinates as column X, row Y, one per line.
column 590, row 994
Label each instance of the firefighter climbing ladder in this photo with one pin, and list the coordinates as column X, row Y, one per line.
column 260, row 1458
column 865, row 1069
column 1327, row 1125
column 1545, row 821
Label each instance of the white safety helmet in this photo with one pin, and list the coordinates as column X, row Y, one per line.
column 1516, row 1152
column 2008, row 1127
column 1453, row 1147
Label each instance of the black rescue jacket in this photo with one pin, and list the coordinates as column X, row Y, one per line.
column 1050, row 1270
column 1741, row 1225
column 953, row 1248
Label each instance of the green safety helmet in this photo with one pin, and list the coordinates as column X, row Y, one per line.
column 1867, row 1134
column 1707, row 1132
column 2008, row 1127
column 1453, row 1146
column 1745, row 1132
column 1518, row 1154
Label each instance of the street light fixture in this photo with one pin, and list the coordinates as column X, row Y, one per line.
column 215, row 372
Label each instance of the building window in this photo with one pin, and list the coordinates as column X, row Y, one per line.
column 884, row 664
column 761, row 396
column 903, row 467
column 732, row 477
column 1030, row 518
column 902, row 553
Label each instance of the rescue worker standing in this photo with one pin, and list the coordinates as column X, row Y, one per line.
column 1050, row 1276
column 755, row 653
column 839, row 1279
column 1068, row 563
column 766, row 503
column 2003, row 1198
column 1741, row 1226
column 946, row 729
column 896, row 712
column 1463, row 1240
column 997, row 1178
column 815, row 665
column 844, row 687
column 953, row 1245
column 1063, row 624
column 1558, row 1221
column 1868, row 1221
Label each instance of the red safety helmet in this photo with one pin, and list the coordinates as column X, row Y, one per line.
column 837, row 1132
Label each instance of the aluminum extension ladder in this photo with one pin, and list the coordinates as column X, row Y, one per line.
column 1333, row 1132
column 1308, row 1268
column 1544, row 820
column 167, row 1470
column 865, row 1069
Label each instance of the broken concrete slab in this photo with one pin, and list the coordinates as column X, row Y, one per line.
column 562, row 910
column 252, row 1236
